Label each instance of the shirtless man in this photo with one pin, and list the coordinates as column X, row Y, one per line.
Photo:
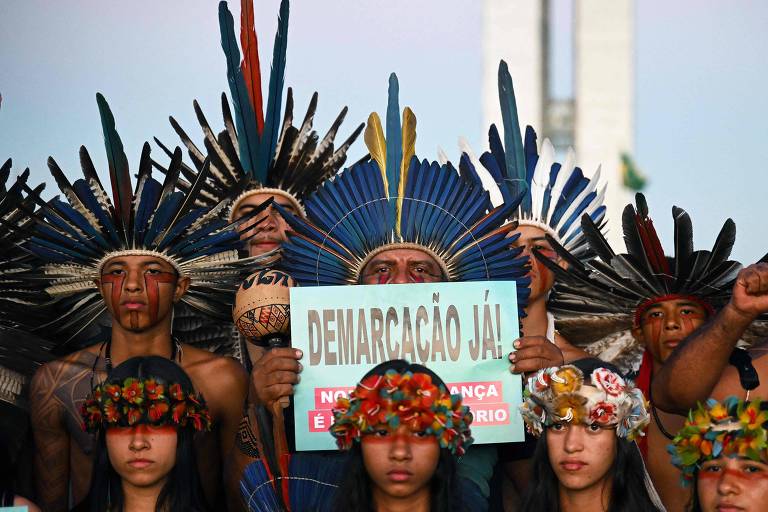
column 687, row 377
column 139, row 292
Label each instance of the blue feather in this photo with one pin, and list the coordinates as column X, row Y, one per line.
column 272, row 121
column 394, row 137
column 513, row 141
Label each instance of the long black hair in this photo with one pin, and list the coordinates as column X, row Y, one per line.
column 182, row 491
column 355, row 492
column 628, row 490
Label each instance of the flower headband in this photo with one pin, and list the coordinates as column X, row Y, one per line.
column 408, row 398
column 560, row 395
column 147, row 401
column 731, row 427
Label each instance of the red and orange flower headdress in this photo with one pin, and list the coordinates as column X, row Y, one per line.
column 151, row 401
column 406, row 398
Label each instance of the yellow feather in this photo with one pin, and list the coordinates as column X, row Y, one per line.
column 409, row 150
column 377, row 144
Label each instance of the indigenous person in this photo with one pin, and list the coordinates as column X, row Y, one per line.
column 723, row 451
column 410, row 221
column 260, row 155
column 688, row 377
column 145, row 415
column 645, row 304
column 135, row 256
column 402, row 457
column 587, row 417
column 554, row 196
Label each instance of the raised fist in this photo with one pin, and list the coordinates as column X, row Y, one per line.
column 750, row 293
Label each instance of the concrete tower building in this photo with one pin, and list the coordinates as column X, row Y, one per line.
column 598, row 121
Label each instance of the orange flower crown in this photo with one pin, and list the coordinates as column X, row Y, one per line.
column 731, row 427
column 406, row 398
column 561, row 395
column 143, row 401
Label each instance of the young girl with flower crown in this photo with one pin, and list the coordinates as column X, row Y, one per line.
column 723, row 450
column 586, row 417
column 404, row 431
column 145, row 415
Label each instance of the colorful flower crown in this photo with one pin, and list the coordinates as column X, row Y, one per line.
column 731, row 427
column 147, row 401
column 560, row 395
column 402, row 398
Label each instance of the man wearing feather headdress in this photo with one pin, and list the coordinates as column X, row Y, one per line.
column 634, row 309
column 258, row 155
column 134, row 256
column 688, row 378
column 395, row 219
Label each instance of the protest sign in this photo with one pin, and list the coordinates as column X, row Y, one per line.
column 461, row 331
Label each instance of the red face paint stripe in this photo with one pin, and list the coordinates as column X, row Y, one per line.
column 152, row 282
column 116, row 280
column 708, row 475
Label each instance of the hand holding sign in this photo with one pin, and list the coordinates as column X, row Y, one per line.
column 262, row 314
column 534, row 353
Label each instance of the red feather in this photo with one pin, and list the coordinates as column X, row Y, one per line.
column 250, row 66
column 652, row 245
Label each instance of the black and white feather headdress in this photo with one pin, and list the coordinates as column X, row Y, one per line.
column 256, row 153
column 597, row 302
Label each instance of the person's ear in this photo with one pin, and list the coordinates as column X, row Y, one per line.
column 182, row 285
column 562, row 263
column 637, row 333
column 97, row 282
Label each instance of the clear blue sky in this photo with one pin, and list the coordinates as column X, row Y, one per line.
column 700, row 68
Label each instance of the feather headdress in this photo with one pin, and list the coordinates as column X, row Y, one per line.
column 76, row 237
column 554, row 195
column 604, row 296
column 16, row 293
column 396, row 201
column 256, row 152
column 21, row 353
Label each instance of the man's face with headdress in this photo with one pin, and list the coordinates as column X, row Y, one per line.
column 140, row 291
column 665, row 324
column 269, row 234
column 397, row 266
column 542, row 279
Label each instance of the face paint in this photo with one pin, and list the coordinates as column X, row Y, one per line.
column 417, row 278
column 152, row 282
column 717, row 475
column 142, row 428
column 116, row 280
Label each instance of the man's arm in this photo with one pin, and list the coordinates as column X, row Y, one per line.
column 692, row 371
column 232, row 389
column 51, row 439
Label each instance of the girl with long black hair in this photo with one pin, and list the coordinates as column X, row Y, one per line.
column 404, row 431
column 145, row 415
column 586, row 417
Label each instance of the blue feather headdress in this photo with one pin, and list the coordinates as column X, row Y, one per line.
column 76, row 237
column 396, row 201
column 554, row 195
column 257, row 153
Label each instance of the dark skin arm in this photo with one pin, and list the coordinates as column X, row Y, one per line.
column 51, row 439
column 228, row 395
column 687, row 377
